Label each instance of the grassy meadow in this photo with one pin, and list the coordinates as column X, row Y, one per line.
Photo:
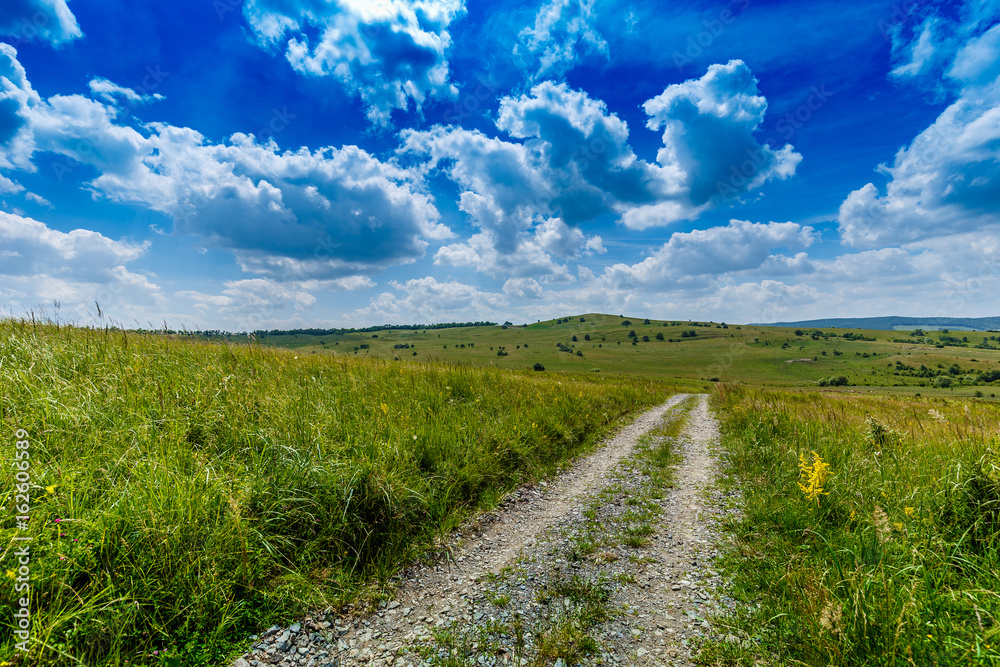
column 870, row 529
column 769, row 356
column 186, row 494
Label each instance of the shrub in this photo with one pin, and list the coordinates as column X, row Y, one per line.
column 538, row 367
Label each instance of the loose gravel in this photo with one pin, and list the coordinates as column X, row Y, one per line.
column 601, row 565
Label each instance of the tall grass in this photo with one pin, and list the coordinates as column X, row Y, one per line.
column 187, row 494
column 890, row 560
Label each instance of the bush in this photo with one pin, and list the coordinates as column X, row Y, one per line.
column 539, row 367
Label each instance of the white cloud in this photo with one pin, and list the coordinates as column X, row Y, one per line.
column 948, row 179
column 563, row 33
column 9, row 187
column 46, row 20
column 708, row 136
column 523, row 288
column 428, row 300
column 16, row 97
column 113, row 94
column 740, row 246
column 574, row 164
column 764, row 301
column 255, row 303
column 31, row 248
column 295, row 214
column 39, row 265
column 389, row 53
column 38, row 199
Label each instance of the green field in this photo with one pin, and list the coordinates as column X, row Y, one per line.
column 741, row 353
column 186, row 493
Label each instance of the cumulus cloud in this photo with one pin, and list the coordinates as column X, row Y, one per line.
column 428, row 300
column 16, row 97
column 947, row 179
column 708, row 136
column 31, row 248
column 300, row 214
column 563, row 33
column 388, row 53
column 740, row 246
column 764, row 301
column 924, row 51
column 39, row 264
column 569, row 160
column 45, row 20
column 304, row 214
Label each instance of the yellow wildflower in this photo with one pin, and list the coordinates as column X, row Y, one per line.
column 812, row 476
column 11, row 573
column 910, row 511
column 50, row 489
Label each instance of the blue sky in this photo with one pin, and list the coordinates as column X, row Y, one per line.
column 297, row 163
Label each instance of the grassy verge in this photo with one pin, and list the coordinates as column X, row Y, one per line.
column 870, row 530
column 183, row 495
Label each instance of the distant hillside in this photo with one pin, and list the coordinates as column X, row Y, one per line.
column 892, row 323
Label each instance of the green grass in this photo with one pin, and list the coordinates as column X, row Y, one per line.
column 199, row 492
column 893, row 560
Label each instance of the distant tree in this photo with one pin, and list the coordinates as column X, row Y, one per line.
column 800, row 332
column 645, row 339
column 539, row 367
column 626, row 323
column 632, row 334
column 659, row 336
column 583, row 319
column 574, row 338
column 646, row 321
